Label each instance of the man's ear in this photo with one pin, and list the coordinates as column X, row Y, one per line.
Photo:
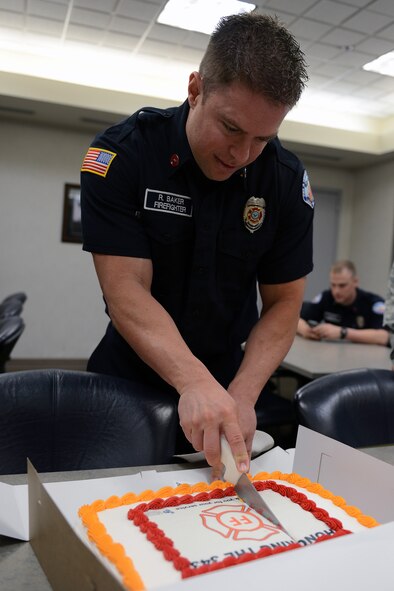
column 194, row 88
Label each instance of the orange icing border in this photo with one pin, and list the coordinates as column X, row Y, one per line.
column 115, row 552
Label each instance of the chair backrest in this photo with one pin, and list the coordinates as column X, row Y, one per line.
column 355, row 406
column 73, row 420
column 11, row 307
column 11, row 329
column 18, row 295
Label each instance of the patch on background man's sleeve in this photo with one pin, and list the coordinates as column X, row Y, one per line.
column 378, row 308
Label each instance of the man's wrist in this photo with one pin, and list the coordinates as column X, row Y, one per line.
column 244, row 393
column 343, row 333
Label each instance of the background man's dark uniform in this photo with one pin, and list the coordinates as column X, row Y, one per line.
column 365, row 312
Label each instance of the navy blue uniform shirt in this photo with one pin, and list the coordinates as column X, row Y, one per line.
column 365, row 312
column 142, row 195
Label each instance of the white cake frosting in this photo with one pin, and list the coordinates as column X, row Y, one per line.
column 212, row 532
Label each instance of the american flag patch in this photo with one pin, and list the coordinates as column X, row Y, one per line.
column 97, row 161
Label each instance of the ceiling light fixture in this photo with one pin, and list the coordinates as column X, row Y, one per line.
column 382, row 65
column 200, row 15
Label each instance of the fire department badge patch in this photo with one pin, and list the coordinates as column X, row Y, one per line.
column 254, row 213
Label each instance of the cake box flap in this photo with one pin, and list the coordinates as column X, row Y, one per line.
column 61, row 554
column 362, row 480
column 14, row 513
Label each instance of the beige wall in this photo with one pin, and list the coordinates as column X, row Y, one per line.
column 373, row 222
column 337, row 179
column 64, row 313
column 366, row 225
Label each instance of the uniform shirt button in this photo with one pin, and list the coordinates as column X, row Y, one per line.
column 196, row 313
column 174, row 160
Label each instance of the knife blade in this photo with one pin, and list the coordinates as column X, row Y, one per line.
column 244, row 488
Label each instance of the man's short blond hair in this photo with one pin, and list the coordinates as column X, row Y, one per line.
column 344, row 265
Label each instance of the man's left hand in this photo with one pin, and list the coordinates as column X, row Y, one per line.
column 327, row 331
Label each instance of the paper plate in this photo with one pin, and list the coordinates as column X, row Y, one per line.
column 261, row 442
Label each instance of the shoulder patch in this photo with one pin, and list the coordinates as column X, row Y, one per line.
column 317, row 298
column 97, row 161
column 378, row 308
column 307, row 194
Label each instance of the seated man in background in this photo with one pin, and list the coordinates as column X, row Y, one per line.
column 388, row 320
column 344, row 311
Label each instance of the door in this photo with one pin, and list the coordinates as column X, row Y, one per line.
column 325, row 233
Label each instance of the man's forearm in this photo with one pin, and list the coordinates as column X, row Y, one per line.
column 144, row 323
column 270, row 339
column 303, row 327
column 368, row 336
column 153, row 335
column 267, row 345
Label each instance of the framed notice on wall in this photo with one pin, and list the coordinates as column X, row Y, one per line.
column 71, row 227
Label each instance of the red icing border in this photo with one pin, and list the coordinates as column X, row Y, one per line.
column 158, row 538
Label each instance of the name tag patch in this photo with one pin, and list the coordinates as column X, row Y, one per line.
column 168, row 203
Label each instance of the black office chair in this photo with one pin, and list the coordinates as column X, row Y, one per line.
column 11, row 328
column 11, row 307
column 276, row 416
column 355, row 406
column 72, row 420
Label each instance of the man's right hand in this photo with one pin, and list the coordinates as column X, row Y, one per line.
column 306, row 331
column 205, row 415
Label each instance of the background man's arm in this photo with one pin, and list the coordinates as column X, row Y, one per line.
column 368, row 336
column 371, row 336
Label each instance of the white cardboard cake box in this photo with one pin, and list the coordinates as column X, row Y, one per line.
column 358, row 562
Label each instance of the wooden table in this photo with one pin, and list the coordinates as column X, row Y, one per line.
column 313, row 359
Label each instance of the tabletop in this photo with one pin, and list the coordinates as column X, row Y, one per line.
column 19, row 567
column 313, row 359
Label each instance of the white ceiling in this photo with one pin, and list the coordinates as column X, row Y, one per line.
column 337, row 36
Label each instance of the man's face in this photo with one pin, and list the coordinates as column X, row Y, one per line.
column 230, row 128
column 343, row 287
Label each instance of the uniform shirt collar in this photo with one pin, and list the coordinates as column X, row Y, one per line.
column 179, row 152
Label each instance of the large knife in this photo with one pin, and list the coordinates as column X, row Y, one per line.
column 243, row 487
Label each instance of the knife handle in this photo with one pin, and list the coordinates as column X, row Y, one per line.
column 231, row 472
